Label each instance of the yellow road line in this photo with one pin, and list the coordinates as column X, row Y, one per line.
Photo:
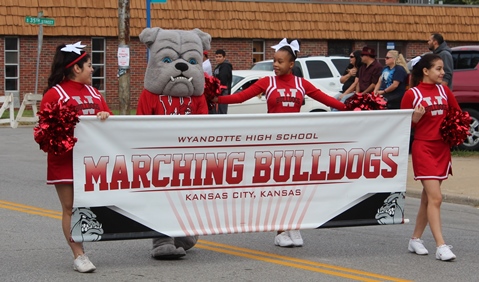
column 280, row 262
column 238, row 250
column 30, row 209
column 313, row 266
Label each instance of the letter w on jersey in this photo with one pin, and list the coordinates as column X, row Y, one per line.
column 288, row 98
column 431, row 104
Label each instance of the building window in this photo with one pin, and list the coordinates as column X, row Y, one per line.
column 11, row 64
column 339, row 47
column 98, row 54
column 383, row 47
column 258, row 50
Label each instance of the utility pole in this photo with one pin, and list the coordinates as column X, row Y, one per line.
column 39, row 50
column 124, row 56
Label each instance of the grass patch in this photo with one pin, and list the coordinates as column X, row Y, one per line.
column 465, row 154
column 117, row 112
column 26, row 113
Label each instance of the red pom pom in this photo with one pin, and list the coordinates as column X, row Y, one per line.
column 455, row 127
column 213, row 88
column 54, row 131
column 365, row 102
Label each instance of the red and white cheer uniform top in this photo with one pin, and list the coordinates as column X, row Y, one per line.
column 431, row 156
column 155, row 104
column 284, row 94
column 88, row 101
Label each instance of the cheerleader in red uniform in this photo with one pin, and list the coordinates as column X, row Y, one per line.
column 431, row 156
column 69, row 83
column 284, row 94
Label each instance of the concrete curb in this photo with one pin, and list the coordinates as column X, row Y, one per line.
column 449, row 198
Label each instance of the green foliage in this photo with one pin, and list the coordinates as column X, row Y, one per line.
column 471, row 2
column 451, row 2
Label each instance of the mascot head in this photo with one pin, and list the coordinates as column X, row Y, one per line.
column 175, row 61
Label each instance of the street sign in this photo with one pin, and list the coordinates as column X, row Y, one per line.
column 35, row 20
column 157, row 1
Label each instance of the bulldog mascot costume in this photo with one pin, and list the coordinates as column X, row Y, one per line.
column 174, row 84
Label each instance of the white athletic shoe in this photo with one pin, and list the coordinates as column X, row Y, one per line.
column 283, row 240
column 295, row 236
column 83, row 264
column 444, row 252
column 416, row 246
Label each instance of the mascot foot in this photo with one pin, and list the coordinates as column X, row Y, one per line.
column 186, row 242
column 169, row 251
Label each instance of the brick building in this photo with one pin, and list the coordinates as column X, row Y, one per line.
column 245, row 29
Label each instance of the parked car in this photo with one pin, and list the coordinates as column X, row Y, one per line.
column 322, row 71
column 242, row 79
column 465, row 84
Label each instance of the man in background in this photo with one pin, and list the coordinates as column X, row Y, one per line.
column 369, row 72
column 438, row 46
column 224, row 72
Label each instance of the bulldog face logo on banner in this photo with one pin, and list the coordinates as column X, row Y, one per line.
column 392, row 211
column 85, row 225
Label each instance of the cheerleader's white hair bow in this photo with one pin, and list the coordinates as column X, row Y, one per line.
column 77, row 47
column 294, row 45
column 415, row 60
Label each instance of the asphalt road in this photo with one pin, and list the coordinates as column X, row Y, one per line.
column 32, row 247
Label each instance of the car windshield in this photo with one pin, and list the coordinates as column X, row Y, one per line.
column 268, row 66
column 236, row 79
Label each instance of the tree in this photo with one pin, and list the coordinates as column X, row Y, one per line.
column 471, row 2
column 452, row 2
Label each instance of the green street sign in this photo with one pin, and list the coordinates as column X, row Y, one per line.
column 157, row 1
column 35, row 20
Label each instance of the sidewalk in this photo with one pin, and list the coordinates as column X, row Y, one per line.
column 461, row 188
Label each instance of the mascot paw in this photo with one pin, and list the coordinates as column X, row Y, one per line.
column 186, row 242
column 169, row 251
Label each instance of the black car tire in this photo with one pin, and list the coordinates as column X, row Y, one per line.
column 472, row 141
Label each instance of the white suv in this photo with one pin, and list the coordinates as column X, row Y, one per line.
column 322, row 71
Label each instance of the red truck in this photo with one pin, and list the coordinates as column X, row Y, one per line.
column 465, row 84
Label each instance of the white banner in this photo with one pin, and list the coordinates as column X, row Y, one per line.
column 216, row 174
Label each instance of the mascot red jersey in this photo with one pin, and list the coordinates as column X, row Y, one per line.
column 174, row 78
column 174, row 84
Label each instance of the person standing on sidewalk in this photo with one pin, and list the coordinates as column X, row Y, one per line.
column 438, row 46
column 284, row 93
column 70, row 82
column 224, row 72
column 431, row 156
